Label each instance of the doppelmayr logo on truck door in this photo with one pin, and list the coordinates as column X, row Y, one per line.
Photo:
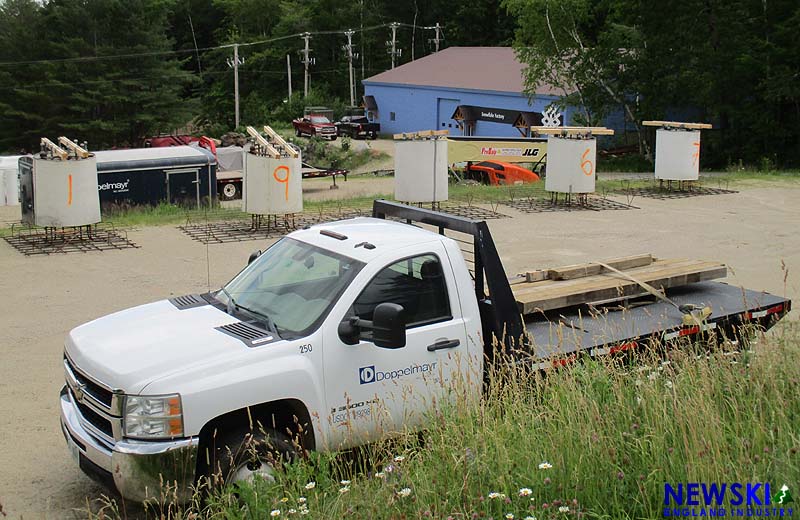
column 370, row 374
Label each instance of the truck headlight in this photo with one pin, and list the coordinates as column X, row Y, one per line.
column 153, row 417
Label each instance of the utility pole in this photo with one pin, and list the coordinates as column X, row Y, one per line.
column 393, row 50
column 306, row 61
column 437, row 39
column 289, row 74
column 361, row 37
column 234, row 64
column 350, row 55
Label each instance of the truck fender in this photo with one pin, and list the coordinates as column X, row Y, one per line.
column 287, row 416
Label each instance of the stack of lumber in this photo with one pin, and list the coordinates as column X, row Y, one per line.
column 422, row 134
column 548, row 289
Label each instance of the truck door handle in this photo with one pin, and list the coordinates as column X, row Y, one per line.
column 447, row 343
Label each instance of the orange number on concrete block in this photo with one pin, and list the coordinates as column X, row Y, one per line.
column 284, row 180
column 69, row 196
column 587, row 164
column 696, row 154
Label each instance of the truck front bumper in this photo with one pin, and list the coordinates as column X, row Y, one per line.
column 139, row 470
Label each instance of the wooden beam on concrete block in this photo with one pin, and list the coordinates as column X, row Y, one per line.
column 677, row 124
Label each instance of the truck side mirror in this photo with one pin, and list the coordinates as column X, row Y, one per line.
column 388, row 327
column 253, row 256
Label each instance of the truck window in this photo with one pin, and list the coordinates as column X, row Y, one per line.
column 293, row 283
column 416, row 283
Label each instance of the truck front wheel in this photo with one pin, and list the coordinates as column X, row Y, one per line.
column 244, row 455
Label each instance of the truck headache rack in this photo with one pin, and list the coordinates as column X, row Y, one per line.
column 586, row 324
column 499, row 307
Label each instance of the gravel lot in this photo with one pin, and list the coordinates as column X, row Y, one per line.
column 754, row 231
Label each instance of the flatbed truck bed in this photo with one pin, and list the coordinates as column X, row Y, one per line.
column 554, row 320
column 606, row 329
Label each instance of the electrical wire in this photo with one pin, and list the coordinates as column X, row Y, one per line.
column 197, row 50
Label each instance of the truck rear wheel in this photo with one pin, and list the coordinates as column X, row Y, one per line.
column 230, row 191
column 243, row 455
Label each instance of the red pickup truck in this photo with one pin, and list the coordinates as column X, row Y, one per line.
column 314, row 125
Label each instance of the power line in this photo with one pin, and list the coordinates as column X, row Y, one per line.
column 81, row 59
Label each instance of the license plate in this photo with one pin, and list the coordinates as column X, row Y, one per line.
column 71, row 446
column 73, row 450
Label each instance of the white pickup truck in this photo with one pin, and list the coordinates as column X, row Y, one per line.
column 334, row 336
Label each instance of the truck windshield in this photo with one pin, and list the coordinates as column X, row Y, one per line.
column 293, row 283
column 320, row 120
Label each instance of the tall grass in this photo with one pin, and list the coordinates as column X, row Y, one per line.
column 593, row 440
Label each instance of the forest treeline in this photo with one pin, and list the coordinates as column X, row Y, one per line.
column 112, row 72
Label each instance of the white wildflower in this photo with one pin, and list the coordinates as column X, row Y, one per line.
column 524, row 492
column 545, row 465
column 404, row 492
column 530, row 518
column 275, row 513
column 563, row 509
column 302, row 500
column 344, row 490
column 509, row 516
column 311, row 485
column 344, row 482
column 292, row 511
column 400, row 458
column 668, row 384
column 495, row 495
column 380, row 474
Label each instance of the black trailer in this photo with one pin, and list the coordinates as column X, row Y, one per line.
column 183, row 175
column 592, row 328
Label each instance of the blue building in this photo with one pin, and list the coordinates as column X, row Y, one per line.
column 487, row 82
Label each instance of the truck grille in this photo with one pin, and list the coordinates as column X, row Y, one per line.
column 98, row 407
column 95, row 419
column 101, row 394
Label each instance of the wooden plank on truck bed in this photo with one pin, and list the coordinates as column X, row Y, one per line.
column 569, row 272
column 551, row 294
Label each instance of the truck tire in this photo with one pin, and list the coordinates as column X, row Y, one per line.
column 230, row 191
column 242, row 455
column 297, row 132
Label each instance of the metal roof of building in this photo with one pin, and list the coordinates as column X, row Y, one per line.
column 471, row 68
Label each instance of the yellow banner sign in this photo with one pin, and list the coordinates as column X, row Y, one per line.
column 512, row 150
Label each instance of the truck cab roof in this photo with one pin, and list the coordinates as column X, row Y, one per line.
column 365, row 238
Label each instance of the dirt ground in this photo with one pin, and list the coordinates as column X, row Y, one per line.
column 754, row 231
